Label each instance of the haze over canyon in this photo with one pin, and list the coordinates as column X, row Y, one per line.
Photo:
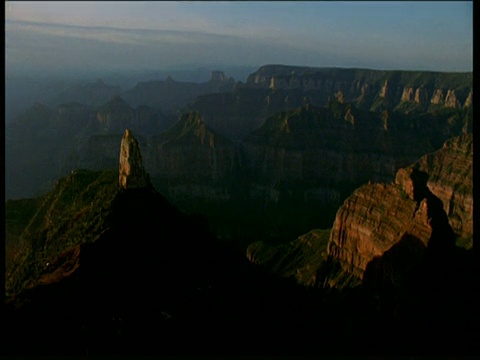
column 277, row 179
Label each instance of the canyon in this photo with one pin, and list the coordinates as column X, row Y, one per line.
column 429, row 204
column 274, row 88
column 104, row 251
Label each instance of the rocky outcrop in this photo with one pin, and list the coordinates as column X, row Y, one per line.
column 339, row 97
column 387, row 229
column 385, row 90
column 371, row 221
column 468, row 101
column 274, row 88
column 131, row 172
column 428, row 202
column 450, row 171
column 190, row 161
column 421, row 96
column 321, row 146
column 316, row 158
column 437, row 97
column 451, row 100
column 190, row 150
column 366, row 87
column 413, row 183
column 115, row 116
column 408, row 94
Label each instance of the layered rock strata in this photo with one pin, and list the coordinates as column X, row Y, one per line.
column 450, row 172
column 430, row 202
column 357, row 84
column 361, row 230
column 115, row 116
column 274, row 88
column 131, row 172
column 190, row 150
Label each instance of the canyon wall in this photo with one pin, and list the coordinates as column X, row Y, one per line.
column 430, row 201
column 387, row 228
column 451, row 90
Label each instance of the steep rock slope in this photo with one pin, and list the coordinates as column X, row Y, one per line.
column 322, row 154
column 361, row 230
column 114, row 116
column 408, row 216
column 377, row 216
column 450, row 172
column 235, row 114
column 145, row 279
column 169, row 95
column 141, row 277
column 74, row 212
column 274, row 88
column 191, row 160
column 371, row 89
column 85, row 208
column 131, row 171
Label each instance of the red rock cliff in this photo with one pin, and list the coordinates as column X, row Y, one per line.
column 131, row 171
column 378, row 216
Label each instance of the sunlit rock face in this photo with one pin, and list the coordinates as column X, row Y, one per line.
column 131, row 171
column 450, row 172
column 437, row 97
column 468, row 101
column 430, row 202
column 366, row 87
column 372, row 220
column 451, row 100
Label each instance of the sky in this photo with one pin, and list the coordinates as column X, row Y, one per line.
column 67, row 36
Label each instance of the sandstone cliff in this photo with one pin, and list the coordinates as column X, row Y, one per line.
column 372, row 220
column 368, row 86
column 321, row 155
column 94, row 145
column 191, row 161
column 275, row 88
column 386, row 228
column 430, row 201
column 190, row 150
column 131, row 173
column 450, row 172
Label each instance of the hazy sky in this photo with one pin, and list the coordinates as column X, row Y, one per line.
column 146, row 35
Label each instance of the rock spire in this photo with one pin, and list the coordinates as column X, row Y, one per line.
column 131, row 172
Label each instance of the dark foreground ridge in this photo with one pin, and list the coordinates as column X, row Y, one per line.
column 151, row 280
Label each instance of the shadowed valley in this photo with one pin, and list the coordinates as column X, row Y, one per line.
column 306, row 211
